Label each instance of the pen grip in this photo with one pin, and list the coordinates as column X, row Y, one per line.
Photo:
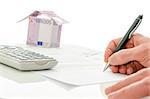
column 122, row 43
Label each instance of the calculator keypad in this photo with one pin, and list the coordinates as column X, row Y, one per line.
column 22, row 54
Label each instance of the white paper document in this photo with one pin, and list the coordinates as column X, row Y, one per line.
column 82, row 75
column 78, row 66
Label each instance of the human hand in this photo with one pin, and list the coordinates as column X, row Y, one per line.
column 135, row 86
column 134, row 57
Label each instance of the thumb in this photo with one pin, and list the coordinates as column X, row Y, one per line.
column 122, row 57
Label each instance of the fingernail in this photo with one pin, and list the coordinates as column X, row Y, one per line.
column 129, row 71
column 122, row 71
column 114, row 69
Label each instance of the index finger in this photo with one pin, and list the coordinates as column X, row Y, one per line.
column 129, row 80
column 110, row 48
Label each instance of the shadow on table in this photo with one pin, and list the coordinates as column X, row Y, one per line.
column 19, row 76
column 29, row 77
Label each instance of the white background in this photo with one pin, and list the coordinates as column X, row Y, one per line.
column 93, row 23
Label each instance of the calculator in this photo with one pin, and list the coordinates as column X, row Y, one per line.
column 25, row 60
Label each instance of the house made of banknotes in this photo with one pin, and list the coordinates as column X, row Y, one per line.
column 44, row 29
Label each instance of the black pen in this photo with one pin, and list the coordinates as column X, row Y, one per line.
column 127, row 36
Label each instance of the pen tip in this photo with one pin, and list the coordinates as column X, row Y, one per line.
column 140, row 16
column 106, row 66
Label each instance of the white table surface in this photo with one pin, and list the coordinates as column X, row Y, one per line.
column 17, row 84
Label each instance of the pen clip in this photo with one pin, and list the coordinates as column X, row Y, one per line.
column 130, row 35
